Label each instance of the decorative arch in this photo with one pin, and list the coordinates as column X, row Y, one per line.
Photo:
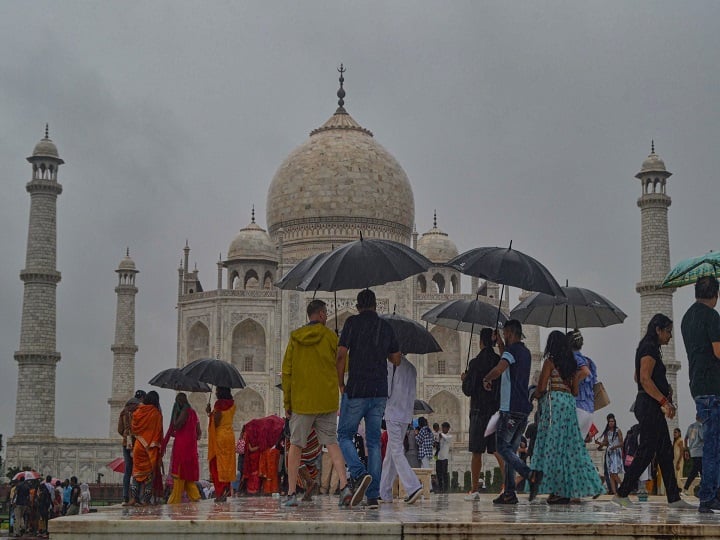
column 422, row 283
column 268, row 280
column 234, row 280
column 446, row 408
column 455, row 284
column 248, row 346
column 198, row 342
column 439, row 282
column 248, row 405
column 251, row 281
column 446, row 362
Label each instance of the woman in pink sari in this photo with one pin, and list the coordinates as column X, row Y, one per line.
column 184, row 468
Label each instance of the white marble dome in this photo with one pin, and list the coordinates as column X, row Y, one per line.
column 653, row 163
column 127, row 264
column 336, row 184
column 45, row 148
column 437, row 246
column 252, row 242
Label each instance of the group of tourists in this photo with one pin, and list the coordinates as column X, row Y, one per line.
column 34, row 502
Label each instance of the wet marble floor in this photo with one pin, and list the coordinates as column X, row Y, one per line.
column 442, row 516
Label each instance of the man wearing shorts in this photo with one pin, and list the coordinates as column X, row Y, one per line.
column 483, row 405
column 311, row 397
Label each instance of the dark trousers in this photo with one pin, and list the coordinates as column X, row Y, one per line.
column 441, row 471
column 695, row 471
column 654, row 441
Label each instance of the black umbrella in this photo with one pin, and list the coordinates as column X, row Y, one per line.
column 412, row 336
column 297, row 273
column 215, row 372
column 422, row 407
column 362, row 264
column 175, row 379
column 581, row 308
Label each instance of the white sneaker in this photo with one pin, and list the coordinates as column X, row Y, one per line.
column 681, row 505
column 474, row 496
column 623, row 502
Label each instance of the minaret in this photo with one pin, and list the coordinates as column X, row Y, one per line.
column 37, row 357
column 655, row 255
column 124, row 348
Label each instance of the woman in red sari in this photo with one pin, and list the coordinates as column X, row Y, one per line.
column 184, row 468
column 147, row 427
column 221, row 442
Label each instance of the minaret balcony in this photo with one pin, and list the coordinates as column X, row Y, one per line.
column 40, row 276
column 43, row 186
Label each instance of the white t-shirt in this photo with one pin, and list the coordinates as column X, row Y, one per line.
column 445, row 440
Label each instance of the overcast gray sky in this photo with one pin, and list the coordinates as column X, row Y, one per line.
column 516, row 120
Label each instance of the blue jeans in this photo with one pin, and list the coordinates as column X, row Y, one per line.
column 510, row 428
column 127, row 475
column 351, row 412
column 708, row 412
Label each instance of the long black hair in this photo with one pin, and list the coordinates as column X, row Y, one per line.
column 658, row 322
column 558, row 349
column 610, row 416
column 152, row 398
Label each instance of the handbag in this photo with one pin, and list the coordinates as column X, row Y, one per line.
column 601, row 396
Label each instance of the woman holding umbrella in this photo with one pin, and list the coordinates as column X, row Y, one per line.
column 221, row 442
column 184, row 468
column 652, row 405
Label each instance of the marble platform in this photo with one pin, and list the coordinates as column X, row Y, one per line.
column 442, row 516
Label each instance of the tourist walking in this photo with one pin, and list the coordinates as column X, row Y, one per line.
column 73, row 508
column 514, row 368
column 21, row 504
column 701, row 335
column 678, row 454
column 402, row 383
column 586, row 376
column 612, row 440
column 184, row 465
column 221, row 442
column 128, row 441
column 310, row 396
column 371, row 342
column 424, row 441
column 694, row 445
column 652, row 405
column 483, row 405
column 443, row 458
column 147, row 427
column 559, row 455
column 85, row 498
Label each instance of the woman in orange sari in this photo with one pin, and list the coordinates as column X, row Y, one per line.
column 147, row 427
column 221, row 442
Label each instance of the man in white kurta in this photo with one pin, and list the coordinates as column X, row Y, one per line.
column 398, row 414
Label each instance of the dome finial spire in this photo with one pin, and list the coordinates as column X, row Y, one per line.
column 127, row 251
column 47, row 131
column 652, row 146
column 435, row 219
column 341, row 90
column 253, row 213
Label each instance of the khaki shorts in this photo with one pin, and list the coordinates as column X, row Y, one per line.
column 325, row 426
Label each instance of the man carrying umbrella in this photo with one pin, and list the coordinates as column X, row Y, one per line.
column 310, row 395
column 514, row 368
column 701, row 335
column 370, row 341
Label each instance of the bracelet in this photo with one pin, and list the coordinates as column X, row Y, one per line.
column 663, row 401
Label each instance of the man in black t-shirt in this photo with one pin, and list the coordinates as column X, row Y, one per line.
column 370, row 342
column 701, row 335
column 22, row 501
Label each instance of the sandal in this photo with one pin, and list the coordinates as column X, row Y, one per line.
column 534, row 478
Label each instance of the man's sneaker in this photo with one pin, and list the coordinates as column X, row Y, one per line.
column 291, row 501
column 414, row 496
column 373, row 504
column 681, row 505
column 623, row 502
column 345, row 496
column 506, row 498
column 474, row 496
column 708, row 507
column 360, row 486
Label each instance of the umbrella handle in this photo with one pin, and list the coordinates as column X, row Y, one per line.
column 502, row 294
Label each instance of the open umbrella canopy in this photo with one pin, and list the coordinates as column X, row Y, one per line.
column 175, row 379
column 465, row 315
column 507, row 266
column 580, row 308
column 215, row 372
column 361, row 264
column 412, row 336
column 117, row 465
column 422, row 407
column 296, row 274
column 689, row 271
column 26, row 475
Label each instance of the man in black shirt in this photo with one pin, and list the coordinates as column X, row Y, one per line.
column 371, row 343
column 701, row 335
column 22, row 501
column 74, row 507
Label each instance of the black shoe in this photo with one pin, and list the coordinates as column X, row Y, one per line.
column 373, row 504
column 506, row 498
column 360, row 485
column 709, row 506
column 557, row 499
column 534, row 480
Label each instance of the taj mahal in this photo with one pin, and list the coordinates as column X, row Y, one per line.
column 337, row 184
